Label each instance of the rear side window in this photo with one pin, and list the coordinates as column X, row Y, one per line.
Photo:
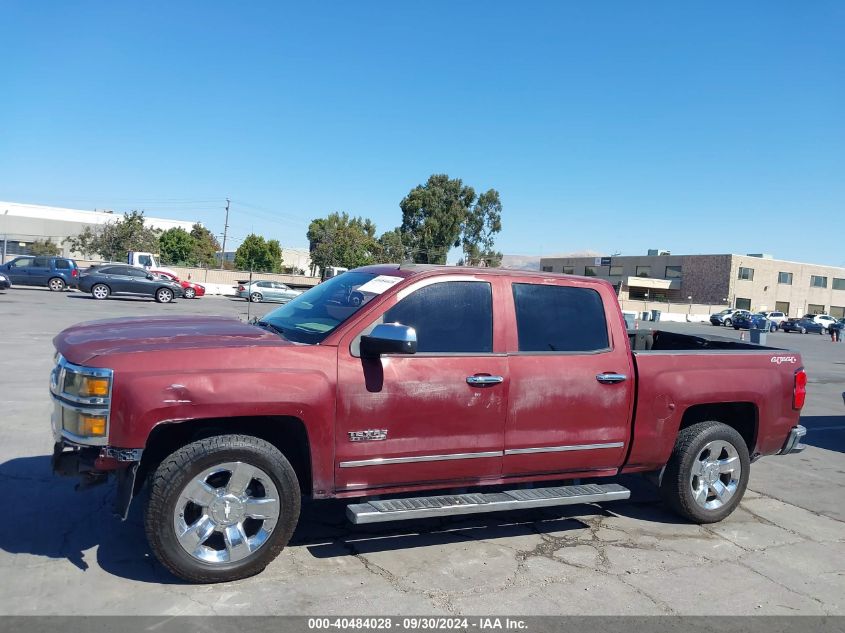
column 449, row 317
column 559, row 319
column 41, row 262
column 62, row 264
column 137, row 272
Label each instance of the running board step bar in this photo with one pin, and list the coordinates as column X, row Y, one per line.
column 446, row 505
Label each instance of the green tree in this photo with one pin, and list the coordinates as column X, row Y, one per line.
column 45, row 247
column 339, row 240
column 391, row 248
column 113, row 240
column 482, row 223
column 206, row 246
column 177, row 247
column 433, row 217
column 255, row 253
column 275, row 250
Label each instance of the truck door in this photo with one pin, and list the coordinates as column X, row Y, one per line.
column 437, row 415
column 571, row 391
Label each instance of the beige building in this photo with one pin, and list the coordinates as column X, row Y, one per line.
column 753, row 282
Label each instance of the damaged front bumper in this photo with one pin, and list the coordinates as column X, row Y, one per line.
column 93, row 465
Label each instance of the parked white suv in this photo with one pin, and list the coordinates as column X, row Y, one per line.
column 825, row 320
column 776, row 317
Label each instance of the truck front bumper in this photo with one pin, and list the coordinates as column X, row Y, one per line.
column 92, row 465
column 793, row 441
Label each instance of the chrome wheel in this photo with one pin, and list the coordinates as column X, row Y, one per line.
column 715, row 475
column 100, row 291
column 190, row 293
column 255, row 297
column 226, row 513
column 56, row 284
column 164, row 295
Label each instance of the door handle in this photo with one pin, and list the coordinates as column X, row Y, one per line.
column 483, row 381
column 609, row 379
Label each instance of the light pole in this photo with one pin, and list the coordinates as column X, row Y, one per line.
column 689, row 311
column 5, row 232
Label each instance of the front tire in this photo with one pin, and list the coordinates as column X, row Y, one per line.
column 164, row 295
column 221, row 508
column 707, row 473
column 728, row 323
column 56, row 284
column 190, row 293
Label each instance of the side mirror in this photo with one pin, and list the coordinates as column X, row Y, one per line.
column 389, row 338
column 150, row 277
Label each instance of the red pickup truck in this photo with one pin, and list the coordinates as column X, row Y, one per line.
column 390, row 382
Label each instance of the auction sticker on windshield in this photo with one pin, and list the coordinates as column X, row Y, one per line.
column 378, row 285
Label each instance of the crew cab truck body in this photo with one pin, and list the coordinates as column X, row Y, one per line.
column 391, row 380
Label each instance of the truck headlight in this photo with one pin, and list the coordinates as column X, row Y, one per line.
column 82, row 397
column 90, row 386
column 84, row 424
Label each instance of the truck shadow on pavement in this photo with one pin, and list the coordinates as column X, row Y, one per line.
column 56, row 522
column 825, row 431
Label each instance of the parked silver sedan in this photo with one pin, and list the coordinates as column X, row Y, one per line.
column 262, row 290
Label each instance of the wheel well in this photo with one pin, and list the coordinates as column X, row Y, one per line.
column 288, row 434
column 741, row 416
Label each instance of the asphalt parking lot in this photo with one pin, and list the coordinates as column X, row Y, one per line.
column 782, row 552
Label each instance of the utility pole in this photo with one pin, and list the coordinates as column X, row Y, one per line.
column 225, row 230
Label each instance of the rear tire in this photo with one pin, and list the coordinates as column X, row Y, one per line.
column 56, row 284
column 707, row 474
column 256, row 297
column 100, row 291
column 200, row 521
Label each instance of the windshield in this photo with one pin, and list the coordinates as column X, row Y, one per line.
column 313, row 315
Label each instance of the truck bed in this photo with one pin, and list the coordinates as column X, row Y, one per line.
column 661, row 340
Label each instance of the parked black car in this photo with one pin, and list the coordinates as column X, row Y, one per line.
column 55, row 273
column 802, row 325
column 5, row 282
column 103, row 281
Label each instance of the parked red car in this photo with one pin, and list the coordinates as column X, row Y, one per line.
column 190, row 290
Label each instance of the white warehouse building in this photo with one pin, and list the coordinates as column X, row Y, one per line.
column 22, row 224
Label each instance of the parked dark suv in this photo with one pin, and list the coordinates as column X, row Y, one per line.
column 55, row 273
column 116, row 279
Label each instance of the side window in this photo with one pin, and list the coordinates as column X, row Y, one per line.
column 41, row 262
column 22, row 263
column 559, row 319
column 263, row 284
column 135, row 272
column 451, row 316
column 62, row 264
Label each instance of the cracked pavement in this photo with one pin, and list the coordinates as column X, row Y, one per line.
column 781, row 552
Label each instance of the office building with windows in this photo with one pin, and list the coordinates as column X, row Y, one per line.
column 751, row 282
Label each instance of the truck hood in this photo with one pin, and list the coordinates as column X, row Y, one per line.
column 85, row 341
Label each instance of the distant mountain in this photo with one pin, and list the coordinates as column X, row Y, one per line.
column 521, row 262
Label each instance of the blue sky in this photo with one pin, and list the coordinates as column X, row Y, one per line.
column 605, row 126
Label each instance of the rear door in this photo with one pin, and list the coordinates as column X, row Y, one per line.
column 40, row 271
column 571, row 384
